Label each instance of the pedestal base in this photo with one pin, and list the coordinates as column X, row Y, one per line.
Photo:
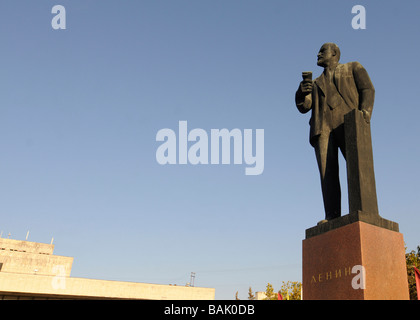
column 352, row 217
column 334, row 261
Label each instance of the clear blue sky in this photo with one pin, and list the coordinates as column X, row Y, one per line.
column 80, row 109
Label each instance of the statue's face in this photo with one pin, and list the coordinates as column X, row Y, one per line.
column 325, row 56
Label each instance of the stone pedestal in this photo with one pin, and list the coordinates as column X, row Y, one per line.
column 334, row 262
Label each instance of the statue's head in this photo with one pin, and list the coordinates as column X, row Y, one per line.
column 328, row 54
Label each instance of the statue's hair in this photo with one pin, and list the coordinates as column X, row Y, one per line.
column 336, row 49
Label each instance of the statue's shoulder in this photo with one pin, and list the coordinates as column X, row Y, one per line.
column 349, row 68
column 350, row 65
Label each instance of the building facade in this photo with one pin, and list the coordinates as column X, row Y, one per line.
column 30, row 270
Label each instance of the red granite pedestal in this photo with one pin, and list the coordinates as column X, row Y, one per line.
column 332, row 264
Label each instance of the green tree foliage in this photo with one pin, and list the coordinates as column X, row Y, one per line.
column 269, row 292
column 291, row 290
column 251, row 296
column 413, row 260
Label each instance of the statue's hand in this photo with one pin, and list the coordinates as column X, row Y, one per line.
column 306, row 86
column 366, row 116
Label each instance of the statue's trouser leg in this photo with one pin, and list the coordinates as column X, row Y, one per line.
column 326, row 151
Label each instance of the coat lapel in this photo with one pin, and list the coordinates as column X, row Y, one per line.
column 337, row 77
column 320, row 82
